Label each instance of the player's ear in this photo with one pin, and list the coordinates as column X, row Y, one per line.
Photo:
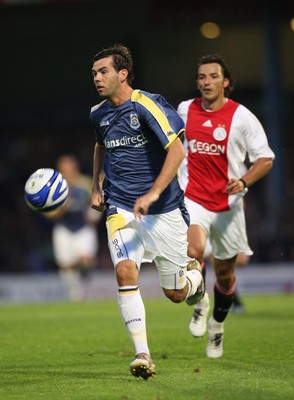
column 123, row 74
column 226, row 83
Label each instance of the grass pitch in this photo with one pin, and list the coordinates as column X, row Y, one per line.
column 76, row 351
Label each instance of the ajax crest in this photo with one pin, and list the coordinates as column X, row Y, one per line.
column 219, row 134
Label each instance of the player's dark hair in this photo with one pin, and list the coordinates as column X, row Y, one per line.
column 215, row 58
column 122, row 59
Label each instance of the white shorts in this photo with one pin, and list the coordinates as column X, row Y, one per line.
column 226, row 230
column 160, row 237
column 69, row 246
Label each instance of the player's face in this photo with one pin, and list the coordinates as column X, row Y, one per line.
column 211, row 82
column 106, row 78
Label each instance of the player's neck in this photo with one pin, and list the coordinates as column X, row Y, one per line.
column 121, row 97
column 213, row 105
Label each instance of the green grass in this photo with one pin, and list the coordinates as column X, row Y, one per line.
column 82, row 351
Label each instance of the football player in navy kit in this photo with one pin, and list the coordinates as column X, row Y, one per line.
column 136, row 158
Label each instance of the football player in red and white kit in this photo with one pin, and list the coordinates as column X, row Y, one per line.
column 220, row 133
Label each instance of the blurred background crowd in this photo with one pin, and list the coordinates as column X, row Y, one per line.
column 47, row 92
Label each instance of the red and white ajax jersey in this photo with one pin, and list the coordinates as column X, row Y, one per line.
column 217, row 143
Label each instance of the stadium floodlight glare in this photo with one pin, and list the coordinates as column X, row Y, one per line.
column 210, row 30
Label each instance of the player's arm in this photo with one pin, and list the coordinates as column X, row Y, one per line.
column 258, row 150
column 174, row 158
column 59, row 212
column 257, row 171
column 98, row 177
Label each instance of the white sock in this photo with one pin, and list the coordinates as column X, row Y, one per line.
column 132, row 310
column 194, row 278
column 213, row 324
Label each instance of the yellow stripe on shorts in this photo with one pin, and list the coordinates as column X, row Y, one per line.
column 114, row 223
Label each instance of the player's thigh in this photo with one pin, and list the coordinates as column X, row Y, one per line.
column 198, row 232
column 167, row 236
column 171, row 275
column 170, row 234
column 125, row 244
column 196, row 241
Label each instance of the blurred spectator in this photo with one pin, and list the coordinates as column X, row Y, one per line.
column 74, row 234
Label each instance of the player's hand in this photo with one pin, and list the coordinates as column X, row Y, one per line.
column 234, row 186
column 98, row 201
column 143, row 203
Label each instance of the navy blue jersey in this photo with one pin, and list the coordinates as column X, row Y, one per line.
column 136, row 135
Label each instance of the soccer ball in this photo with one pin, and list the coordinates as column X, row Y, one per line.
column 45, row 190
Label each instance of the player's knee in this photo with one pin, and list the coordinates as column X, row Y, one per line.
column 225, row 272
column 225, row 278
column 225, row 283
column 176, row 296
column 242, row 260
column 126, row 273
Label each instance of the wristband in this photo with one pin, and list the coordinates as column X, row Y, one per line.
column 244, row 183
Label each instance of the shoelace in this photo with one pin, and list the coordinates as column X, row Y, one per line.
column 217, row 339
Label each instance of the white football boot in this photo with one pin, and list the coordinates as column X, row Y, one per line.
column 198, row 323
column 143, row 366
column 215, row 347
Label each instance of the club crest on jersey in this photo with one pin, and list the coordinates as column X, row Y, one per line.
column 135, row 124
column 219, row 133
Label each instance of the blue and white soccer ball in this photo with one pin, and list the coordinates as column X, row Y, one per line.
column 45, row 190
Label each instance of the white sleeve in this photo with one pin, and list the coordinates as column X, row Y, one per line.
column 183, row 168
column 255, row 139
column 183, row 108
